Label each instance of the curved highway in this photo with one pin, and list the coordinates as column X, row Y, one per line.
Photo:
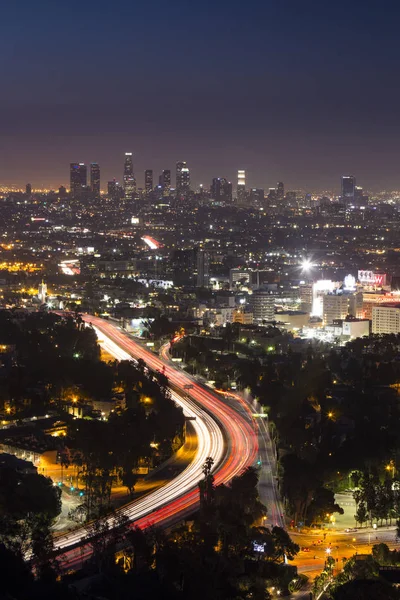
column 222, row 432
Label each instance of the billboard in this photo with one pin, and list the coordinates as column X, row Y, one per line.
column 371, row 278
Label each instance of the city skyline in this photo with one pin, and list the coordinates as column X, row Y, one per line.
column 230, row 174
column 294, row 102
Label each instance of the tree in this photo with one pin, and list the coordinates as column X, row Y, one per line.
column 129, row 479
column 382, row 554
column 361, row 515
column 43, row 547
column 323, row 504
column 284, row 547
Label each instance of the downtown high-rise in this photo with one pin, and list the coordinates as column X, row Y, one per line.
column 241, row 187
column 78, row 179
column 129, row 177
column 148, row 181
column 165, row 182
column 182, row 178
column 95, row 179
column 348, row 189
column 221, row 190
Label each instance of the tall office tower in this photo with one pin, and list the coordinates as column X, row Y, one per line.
column 280, row 191
column 360, row 199
column 148, row 181
column 221, row 190
column 262, row 303
column 182, row 178
column 78, row 179
column 203, row 273
column 95, row 179
column 165, row 182
column 241, row 187
column 257, row 197
column 348, row 189
column 62, row 191
column 129, row 177
column 112, row 188
column 28, row 189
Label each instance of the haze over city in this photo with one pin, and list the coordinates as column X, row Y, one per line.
column 299, row 92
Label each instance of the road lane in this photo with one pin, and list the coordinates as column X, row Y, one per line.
column 222, row 434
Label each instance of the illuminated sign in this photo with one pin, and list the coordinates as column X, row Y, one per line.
column 349, row 282
column 371, row 278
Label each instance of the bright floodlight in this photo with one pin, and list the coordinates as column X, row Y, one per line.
column 306, row 264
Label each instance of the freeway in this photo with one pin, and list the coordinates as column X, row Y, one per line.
column 267, row 486
column 221, row 431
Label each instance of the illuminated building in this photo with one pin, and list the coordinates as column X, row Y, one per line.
column 355, row 328
column 241, row 188
column 148, row 181
column 203, row 274
column 221, row 190
column 42, row 292
column 262, row 303
column 257, row 197
column 306, row 296
column 348, row 189
column 78, row 179
column 337, row 306
column 165, row 182
column 95, row 179
column 242, row 317
column 114, row 190
column 129, row 177
column 280, row 191
column 182, row 178
column 386, row 319
column 320, row 288
column 238, row 277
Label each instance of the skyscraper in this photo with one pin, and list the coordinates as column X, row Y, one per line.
column 257, row 197
column 348, row 189
column 221, row 190
column 95, row 179
column 280, row 191
column 241, row 188
column 182, row 178
column 165, row 181
column 203, row 273
column 28, row 189
column 78, row 179
column 148, row 181
column 129, row 177
column 114, row 190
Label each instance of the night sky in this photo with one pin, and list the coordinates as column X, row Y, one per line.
column 289, row 90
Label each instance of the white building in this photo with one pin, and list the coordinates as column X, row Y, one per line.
column 237, row 276
column 356, row 329
column 263, row 305
column 386, row 319
column 338, row 306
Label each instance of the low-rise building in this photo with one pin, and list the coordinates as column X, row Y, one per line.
column 386, row 319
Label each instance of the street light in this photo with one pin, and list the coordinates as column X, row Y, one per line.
column 391, row 467
column 306, row 264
